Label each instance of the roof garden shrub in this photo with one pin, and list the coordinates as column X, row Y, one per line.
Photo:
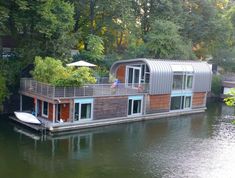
column 52, row 71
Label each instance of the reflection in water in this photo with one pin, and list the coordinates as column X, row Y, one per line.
column 199, row 145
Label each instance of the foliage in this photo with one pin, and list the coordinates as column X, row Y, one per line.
column 76, row 77
column 3, row 89
column 164, row 41
column 216, row 85
column 104, row 31
column 40, row 27
column 50, row 70
column 95, row 49
column 230, row 100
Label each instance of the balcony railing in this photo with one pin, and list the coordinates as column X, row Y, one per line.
column 34, row 87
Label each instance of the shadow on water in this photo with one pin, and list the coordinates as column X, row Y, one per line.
column 199, row 145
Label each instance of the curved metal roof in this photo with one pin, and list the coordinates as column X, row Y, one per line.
column 161, row 73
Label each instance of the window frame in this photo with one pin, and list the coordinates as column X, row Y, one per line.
column 182, row 102
column 132, row 99
column 80, row 102
column 44, row 115
column 184, row 84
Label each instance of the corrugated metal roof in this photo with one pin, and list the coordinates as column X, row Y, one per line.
column 161, row 73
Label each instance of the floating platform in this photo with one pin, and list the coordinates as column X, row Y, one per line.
column 69, row 126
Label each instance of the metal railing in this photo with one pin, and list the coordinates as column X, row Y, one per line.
column 28, row 85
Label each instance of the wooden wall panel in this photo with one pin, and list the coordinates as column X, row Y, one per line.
column 64, row 111
column 121, row 73
column 198, row 99
column 110, row 107
column 158, row 103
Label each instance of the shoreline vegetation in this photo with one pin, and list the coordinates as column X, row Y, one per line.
column 102, row 32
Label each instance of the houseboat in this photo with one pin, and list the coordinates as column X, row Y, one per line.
column 144, row 89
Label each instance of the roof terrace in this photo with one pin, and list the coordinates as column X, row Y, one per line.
column 33, row 87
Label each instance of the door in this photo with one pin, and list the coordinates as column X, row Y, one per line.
column 58, row 106
column 133, row 76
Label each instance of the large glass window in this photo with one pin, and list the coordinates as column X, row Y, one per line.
column 45, row 108
column 135, row 105
column 133, row 76
column 175, row 102
column 86, row 111
column 83, row 109
column 180, row 102
column 182, row 81
column 178, row 82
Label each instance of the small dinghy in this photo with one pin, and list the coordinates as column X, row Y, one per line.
column 27, row 117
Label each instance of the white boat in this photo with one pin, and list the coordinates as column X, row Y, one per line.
column 27, row 117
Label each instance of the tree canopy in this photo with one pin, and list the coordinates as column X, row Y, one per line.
column 104, row 31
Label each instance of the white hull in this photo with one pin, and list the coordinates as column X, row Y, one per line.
column 26, row 117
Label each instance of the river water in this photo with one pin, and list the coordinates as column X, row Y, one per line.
column 199, row 145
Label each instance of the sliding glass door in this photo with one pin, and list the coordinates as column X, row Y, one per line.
column 133, row 75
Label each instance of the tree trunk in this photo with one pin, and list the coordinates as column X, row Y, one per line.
column 92, row 15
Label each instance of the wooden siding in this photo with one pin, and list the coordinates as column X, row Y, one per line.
column 158, row 103
column 110, row 107
column 121, row 73
column 198, row 99
column 50, row 112
column 64, row 112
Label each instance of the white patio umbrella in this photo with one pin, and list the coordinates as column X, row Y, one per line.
column 81, row 64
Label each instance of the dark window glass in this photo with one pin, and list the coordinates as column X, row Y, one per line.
column 129, row 107
column 76, row 116
column 175, row 102
column 142, row 71
column 178, row 82
column 130, row 75
column 189, row 82
column 86, row 111
column 45, row 108
column 136, row 106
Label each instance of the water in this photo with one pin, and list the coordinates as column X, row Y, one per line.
column 200, row 145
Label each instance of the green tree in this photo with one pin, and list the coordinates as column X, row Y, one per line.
column 51, row 71
column 75, row 77
column 230, row 100
column 95, row 48
column 3, row 90
column 40, row 27
column 164, row 41
column 48, row 70
column 216, row 85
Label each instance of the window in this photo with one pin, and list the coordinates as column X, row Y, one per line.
column 86, row 111
column 45, row 109
column 133, row 76
column 182, row 81
column 175, row 102
column 178, row 82
column 189, row 81
column 187, row 103
column 135, row 105
column 180, row 102
column 83, row 109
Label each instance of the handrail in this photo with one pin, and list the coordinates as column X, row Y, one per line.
column 48, row 90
